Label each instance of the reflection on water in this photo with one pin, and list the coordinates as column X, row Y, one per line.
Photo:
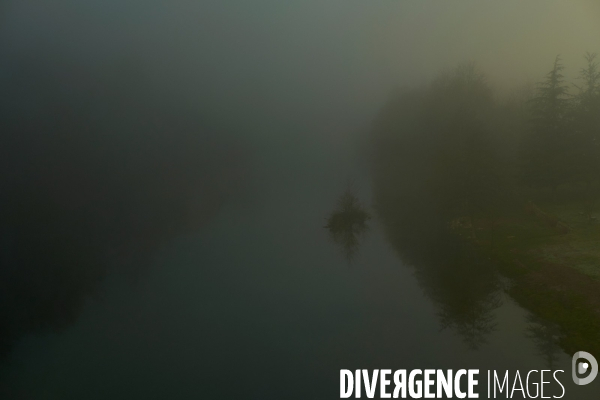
column 546, row 336
column 462, row 283
column 348, row 223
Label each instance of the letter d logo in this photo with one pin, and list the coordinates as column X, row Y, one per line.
column 583, row 367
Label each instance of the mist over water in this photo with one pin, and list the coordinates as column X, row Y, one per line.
column 238, row 199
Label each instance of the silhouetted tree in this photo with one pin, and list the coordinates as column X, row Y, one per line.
column 547, row 151
column 461, row 104
column 585, row 130
column 433, row 148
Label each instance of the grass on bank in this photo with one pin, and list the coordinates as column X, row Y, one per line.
column 553, row 260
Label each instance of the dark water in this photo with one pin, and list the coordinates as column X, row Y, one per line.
column 260, row 303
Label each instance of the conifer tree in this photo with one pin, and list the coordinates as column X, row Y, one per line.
column 546, row 148
column 586, row 120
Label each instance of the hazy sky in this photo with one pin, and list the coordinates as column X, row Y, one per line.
column 309, row 65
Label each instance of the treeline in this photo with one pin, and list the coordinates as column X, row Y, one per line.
column 433, row 152
column 453, row 148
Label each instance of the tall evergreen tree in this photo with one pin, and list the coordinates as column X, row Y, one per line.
column 586, row 131
column 546, row 148
column 586, row 119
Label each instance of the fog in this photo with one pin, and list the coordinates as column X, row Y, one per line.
column 312, row 69
column 130, row 127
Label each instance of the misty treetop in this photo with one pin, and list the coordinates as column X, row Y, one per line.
column 464, row 150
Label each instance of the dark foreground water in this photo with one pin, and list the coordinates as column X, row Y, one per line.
column 261, row 304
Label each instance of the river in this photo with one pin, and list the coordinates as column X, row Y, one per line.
column 261, row 303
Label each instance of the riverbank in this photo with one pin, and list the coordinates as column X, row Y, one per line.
column 552, row 258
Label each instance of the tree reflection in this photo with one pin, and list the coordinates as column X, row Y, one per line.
column 348, row 223
column 467, row 300
column 461, row 282
column 546, row 336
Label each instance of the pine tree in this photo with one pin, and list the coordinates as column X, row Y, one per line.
column 586, row 120
column 586, row 129
column 546, row 148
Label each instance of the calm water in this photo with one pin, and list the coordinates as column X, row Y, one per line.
column 261, row 304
